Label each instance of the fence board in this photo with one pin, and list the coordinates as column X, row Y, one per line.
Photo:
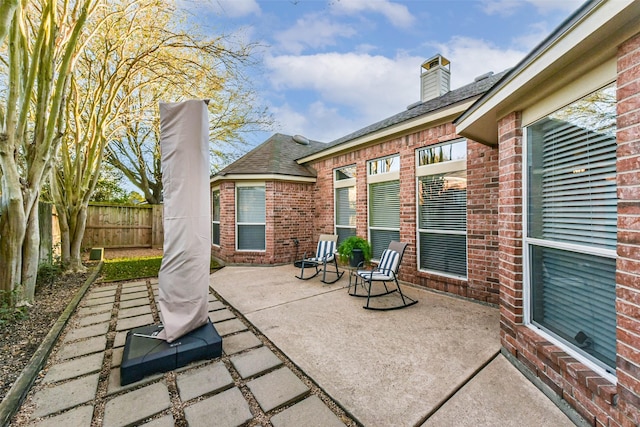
column 111, row 226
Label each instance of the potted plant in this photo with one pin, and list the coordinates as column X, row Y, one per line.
column 355, row 250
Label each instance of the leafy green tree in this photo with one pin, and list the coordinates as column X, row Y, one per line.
column 210, row 68
column 140, row 53
column 109, row 186
column 42, row 43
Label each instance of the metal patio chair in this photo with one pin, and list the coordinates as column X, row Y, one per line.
column 325, row 257
column 386, row 271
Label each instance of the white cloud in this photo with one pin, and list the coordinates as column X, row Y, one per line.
column 509, row 7
column 314, row 31
column 397, row 14
column 362, row 87
column 312, row 121
column 234, row 8
column 348, row 79
column 471, row 58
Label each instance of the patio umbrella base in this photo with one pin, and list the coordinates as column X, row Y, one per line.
column 144, row 354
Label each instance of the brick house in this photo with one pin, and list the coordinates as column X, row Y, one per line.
column 521, row 189
column 409, row 177
column 273, row 197
column 565, row 122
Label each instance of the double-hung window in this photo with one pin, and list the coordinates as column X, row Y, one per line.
column 383, row 179
column 345, row 201
column 215, row 217
column 250, row 217
column 571, row 230
column 442, row 208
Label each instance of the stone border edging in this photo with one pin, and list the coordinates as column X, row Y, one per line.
column 16, row 394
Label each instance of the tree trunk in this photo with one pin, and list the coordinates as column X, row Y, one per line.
column 75, row 260
column 12, row 229
column 63, row 222
column 30, row 256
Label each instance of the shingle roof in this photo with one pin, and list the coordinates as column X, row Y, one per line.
column 421, row 109
column 277, row 156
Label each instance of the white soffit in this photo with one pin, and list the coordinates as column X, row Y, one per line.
column 590, row 41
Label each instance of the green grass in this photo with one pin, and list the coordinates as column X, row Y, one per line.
column 115, row 270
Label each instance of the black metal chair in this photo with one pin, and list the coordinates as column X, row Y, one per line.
column 386, row 271
column 325, row 256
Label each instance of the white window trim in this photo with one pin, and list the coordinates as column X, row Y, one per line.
column 249, row 184
column 383, row 176
column 374, row 179
column 434, row 169
column 341, row 183
column 526, row 282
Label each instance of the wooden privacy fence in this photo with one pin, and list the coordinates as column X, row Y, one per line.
column 119, row 226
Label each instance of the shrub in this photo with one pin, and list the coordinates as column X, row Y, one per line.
column 354, row 242
column 47, row 274
column 9, row 313
column 115, row 270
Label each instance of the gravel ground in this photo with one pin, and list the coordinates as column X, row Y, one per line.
column 20, row 339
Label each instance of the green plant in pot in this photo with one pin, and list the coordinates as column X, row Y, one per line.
column 355, row 250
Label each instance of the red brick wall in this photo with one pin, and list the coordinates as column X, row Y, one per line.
column 289, row 215
column 628, row 263
column 292, row 218
column 596, row 399
column 482, row 173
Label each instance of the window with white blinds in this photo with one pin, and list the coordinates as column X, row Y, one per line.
column 442, row 208
column 344, row 184
column 384, row 215
column 383, row 179
column 571, row 225
column 215, row 217
column 250, row 218
column 345, row 212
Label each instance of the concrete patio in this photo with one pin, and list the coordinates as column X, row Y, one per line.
column 436, row 363
column 295, row 353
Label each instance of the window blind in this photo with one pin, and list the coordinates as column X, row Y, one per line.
column 442, row 222
column 575, row 298
column 251, row 204
column 215, row 217
column 216, row 206
column 251, row 218
column 576, row 178
column 346, row 206
column 251, row 237
column 384, row 215
column 384, row 204
column 572, row 198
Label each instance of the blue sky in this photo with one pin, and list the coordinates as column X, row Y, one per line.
column 330, row 67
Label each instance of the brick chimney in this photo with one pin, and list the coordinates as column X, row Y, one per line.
column 435, row 77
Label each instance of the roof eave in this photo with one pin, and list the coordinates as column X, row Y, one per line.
column 261, row 177
column 443, row 115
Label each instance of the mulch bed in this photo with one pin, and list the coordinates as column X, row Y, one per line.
column 21, row 338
